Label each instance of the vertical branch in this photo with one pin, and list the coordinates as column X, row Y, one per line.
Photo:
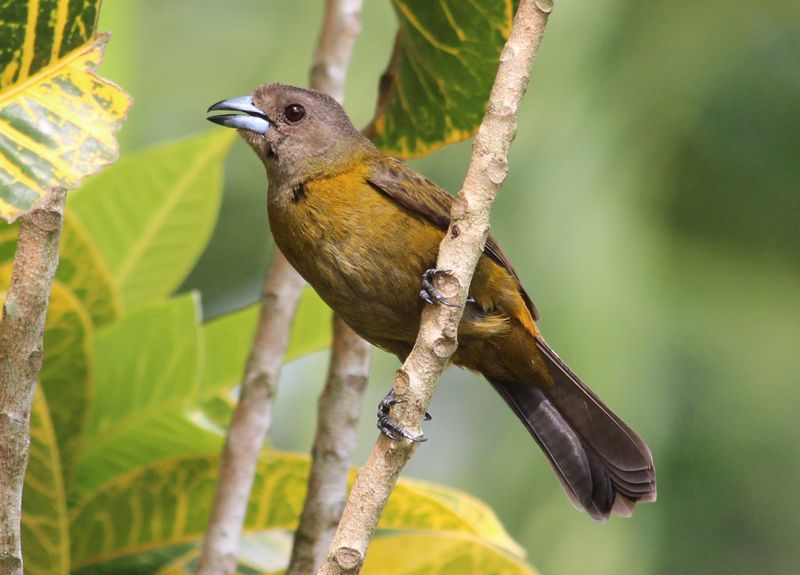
column 21, row 349
column 342, row 398
column 337, row 37
column 459, row 252
column 251, row 419
column 334, row 445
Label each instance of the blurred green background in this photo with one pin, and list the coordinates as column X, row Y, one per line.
column 652, row 210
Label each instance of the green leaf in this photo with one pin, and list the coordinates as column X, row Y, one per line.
column 58, row 120
column 448, row 510
column 151, row 214
column 426, row 553
column 80, row 268
column 228, row 340
column 165, row 505
column 8, row 241
column 45, row 525
column 67, row 369
column 439, row 554
column 147, row 374
column 436, row 87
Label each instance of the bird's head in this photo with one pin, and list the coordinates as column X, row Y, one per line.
column 299, row 134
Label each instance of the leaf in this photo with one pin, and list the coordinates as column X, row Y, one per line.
column 439, row 554
column 448, row 510
column 165, row 505
column 259, row 553
column 436, row 87
column 228, row 340
column 151, row 214
column 66, row 369
column 79, row 268
column 58, row 120
column 147, row 373
column 45, row 525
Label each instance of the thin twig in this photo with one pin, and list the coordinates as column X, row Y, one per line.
column 459, row 252
column 21, row 351
column 337, row 37
column 343, row 396
column 334, row 445
column 251, row 419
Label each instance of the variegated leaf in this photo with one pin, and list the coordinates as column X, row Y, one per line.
column 58, row 120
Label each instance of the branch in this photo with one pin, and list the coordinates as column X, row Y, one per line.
column 334, row 445
column 459, row 251
column 251, row 419
column 21, row 349
column 340, row 29
column 341, row 400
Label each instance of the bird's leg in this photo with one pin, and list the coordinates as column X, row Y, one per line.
column 389, row 427
column 432, row 295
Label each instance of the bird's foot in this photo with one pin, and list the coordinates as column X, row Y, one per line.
column 432, row 295
column 389, row 427
column 429, row 293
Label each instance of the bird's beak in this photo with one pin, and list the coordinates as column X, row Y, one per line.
column 253, row 118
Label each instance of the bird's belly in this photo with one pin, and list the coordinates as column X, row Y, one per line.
column 365, row 264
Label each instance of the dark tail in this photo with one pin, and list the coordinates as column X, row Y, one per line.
column 602, row 463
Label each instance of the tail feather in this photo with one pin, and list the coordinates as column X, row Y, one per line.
column 603, row 465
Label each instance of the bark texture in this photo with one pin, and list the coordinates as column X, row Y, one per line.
column 459, row 251
column 251, row 419
column 335, row 442
column 21, row 352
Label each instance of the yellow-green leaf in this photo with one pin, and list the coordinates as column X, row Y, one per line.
column 436, row 87
column 440, row 554
column 67, row 371
column 448, row 510
column 165, row 505
column 147, row 368
column 45, row 525
column 259, row 554
column 228, row 340
column 58, row 120
column 425, row 553
column 150, row 215
column 80, row 269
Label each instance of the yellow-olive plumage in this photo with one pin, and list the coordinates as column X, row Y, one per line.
column 362, row 227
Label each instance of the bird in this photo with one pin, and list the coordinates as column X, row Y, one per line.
column 364, row 228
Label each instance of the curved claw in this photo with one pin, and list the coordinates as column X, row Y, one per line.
column 389, row 427
column 429, row 293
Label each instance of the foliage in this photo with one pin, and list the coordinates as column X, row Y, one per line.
column 135, row 389
column 58, row 120
column 123, row 470
column 435, row 89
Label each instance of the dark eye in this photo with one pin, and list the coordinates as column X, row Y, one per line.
column 294, row 113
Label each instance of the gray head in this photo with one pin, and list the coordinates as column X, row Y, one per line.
column 299, row 134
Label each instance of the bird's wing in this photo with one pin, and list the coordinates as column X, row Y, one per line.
column 418, row 194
